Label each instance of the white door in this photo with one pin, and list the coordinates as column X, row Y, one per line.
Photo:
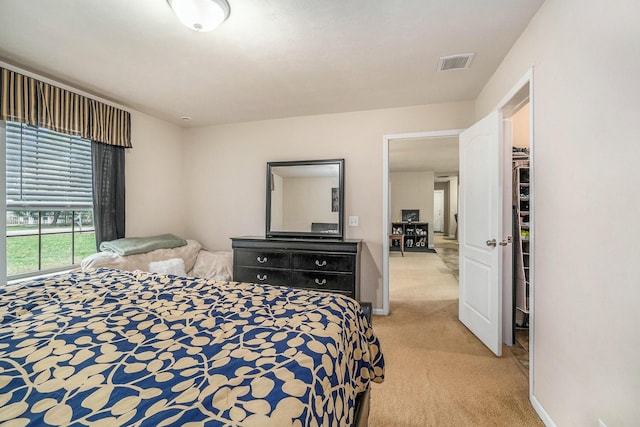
column 480, row 231
column 438, row 210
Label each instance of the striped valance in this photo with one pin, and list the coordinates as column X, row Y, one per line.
column 63, row 111
column 109, row 123
column 27, row 100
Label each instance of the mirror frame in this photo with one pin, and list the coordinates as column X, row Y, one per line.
column 303, row 234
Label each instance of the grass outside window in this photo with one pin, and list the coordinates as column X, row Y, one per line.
column 41, row 244
column 22, row 251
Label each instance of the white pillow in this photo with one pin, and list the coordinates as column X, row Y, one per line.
column 173, row 266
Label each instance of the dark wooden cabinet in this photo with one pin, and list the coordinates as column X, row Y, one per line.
column 319, row 264
column 416, row 236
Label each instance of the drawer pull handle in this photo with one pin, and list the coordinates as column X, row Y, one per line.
column 321, row 282
column 263, row 277
column 262, row 260
column 321, row 264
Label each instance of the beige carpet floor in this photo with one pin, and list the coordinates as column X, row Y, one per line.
column 437, row 372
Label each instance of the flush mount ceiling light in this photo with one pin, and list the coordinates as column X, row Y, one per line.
column 201, row 15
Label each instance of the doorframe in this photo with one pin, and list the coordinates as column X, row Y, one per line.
column 442, row 211
column 511, row 101
column 519, row 96
column 385, row 202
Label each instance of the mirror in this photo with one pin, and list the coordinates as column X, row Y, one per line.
column 305, row 199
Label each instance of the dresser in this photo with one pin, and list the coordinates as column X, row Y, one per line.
column 320, row 264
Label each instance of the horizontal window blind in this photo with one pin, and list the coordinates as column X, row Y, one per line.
column 47, row 169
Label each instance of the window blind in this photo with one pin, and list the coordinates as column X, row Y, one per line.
column 47, row 169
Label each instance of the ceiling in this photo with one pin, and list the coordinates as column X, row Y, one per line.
column 270, row 59
column 439, row 155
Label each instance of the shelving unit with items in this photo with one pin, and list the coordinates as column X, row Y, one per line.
column 523, row 209
column 415, row 236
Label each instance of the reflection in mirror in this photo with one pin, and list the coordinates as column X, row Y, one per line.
column 305, row 198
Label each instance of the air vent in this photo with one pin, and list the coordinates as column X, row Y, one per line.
column 455, row 62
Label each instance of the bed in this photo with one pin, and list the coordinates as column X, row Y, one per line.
column 195, row 260
column 112, row 347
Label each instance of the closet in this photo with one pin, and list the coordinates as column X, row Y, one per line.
column 522, row 205
column 521, row 221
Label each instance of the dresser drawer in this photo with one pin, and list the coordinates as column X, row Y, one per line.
column 262, row 259
column 322, row 281
column 262, row 275
column 328, row 265
column 323, row 262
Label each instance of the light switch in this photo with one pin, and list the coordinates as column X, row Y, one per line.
column 353, row 221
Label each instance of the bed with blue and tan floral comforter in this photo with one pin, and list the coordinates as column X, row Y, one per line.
column 109, row 347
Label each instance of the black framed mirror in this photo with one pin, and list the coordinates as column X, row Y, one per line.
column 305, row 199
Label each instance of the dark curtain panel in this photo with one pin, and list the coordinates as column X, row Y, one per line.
column 108, row 191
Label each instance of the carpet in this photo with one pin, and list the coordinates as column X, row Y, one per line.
column 437, row 372
column 448, row 251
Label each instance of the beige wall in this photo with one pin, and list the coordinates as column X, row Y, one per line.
column 308, row 200
column 413, row 190
column 225, row 169
column 153, row 174
column 521, row 128
column 586, row 116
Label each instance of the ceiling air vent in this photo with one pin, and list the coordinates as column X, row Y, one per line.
column 455, row 62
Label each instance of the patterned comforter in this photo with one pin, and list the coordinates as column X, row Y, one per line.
column 109, row 347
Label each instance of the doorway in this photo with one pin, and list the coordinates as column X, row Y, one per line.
column 518, row 132
column 438, row 211
column 408, row 145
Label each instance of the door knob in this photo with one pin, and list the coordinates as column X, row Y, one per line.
column 491, row 242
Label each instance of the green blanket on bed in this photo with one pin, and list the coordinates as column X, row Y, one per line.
column 139, row 245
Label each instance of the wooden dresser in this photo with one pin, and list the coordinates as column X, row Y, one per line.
column 320, row 264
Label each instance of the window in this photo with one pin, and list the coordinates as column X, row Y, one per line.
column 48, row 200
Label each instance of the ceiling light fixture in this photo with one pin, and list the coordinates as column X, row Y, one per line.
column 201, row 15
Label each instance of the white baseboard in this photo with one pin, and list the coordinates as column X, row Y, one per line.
column 546, row 419
column 378, row 312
